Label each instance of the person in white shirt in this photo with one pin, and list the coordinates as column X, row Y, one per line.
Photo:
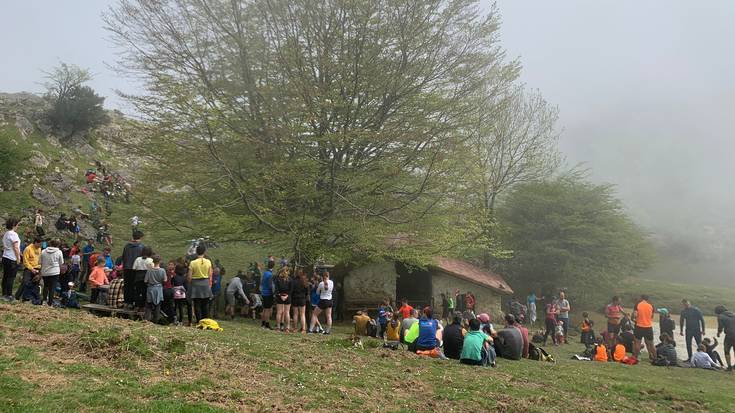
column 325, row 289
column 51, row 260
column 11, row 257
column 702, row 360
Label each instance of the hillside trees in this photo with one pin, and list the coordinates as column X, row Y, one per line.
column 568, row 232
column 327, row 125
column 74, row 107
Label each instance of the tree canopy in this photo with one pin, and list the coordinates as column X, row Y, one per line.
column 568, row 232
column 331, row 126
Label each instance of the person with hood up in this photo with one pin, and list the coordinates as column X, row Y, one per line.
column 726, row 323
column 51, row 260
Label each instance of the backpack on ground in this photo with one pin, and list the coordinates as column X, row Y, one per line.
column 533, row 353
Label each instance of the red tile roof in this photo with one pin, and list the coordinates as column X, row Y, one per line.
column 466, row 271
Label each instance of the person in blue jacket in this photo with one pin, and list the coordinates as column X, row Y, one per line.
column 266, row 292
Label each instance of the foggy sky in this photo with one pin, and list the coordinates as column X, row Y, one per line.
column 645, row 89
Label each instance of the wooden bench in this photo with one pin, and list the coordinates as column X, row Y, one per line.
column 98, row 309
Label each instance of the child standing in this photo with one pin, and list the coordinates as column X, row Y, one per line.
column 559, row 333
column 97, row 278
column 76, row 263
column 384, row 313
column 154, row 279
column 180, row 293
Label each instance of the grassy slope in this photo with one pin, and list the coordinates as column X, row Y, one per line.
column 63, row 360
column 669, row 295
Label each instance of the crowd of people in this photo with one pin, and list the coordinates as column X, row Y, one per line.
column 187, row 290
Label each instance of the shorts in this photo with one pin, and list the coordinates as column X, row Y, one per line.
column 324, row 304
column 645, row 333
column 267, row 302
column 230, row 299
column 298, row 302
column 729, row 343
column 282, row 301
column 613, row 328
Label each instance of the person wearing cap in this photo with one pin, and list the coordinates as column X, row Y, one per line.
column 665, row 323
column 485, row 324
column 694, row 320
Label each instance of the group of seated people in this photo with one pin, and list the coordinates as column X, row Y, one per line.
column 472, row 341
column 706, row 357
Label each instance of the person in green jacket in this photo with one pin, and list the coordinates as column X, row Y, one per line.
column 477, row 349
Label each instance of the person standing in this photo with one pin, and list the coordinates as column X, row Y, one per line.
column 266, row 292
column 200, row 282
column 614, row 313
column 283, row 286
column 726, row 323
column 39, row 223
column 324, row 289
column 132, row 250
column 298, row 300
column 11, row 257
column 141, row 265
column 51, row 260
column 531, row 303
column 643, row 315
column 564, row 309
column 87, row 251
column 551, row 311
column 666, row 324
column 694, row 320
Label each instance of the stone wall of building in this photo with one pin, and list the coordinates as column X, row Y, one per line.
column 370, row 283
column 488, row 300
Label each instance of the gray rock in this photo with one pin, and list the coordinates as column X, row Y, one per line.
column 53, row 140
column 44, row 196
column 59, row 181
column 24, row 125
column 38, row 160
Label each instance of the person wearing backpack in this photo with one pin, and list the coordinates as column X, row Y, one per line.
column 665, row 323
column 726, row 323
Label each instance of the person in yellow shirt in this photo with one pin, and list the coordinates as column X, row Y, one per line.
column 200, row 281
column 28, row 289
column 393, row 329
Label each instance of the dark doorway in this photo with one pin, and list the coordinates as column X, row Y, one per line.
column 414, row 285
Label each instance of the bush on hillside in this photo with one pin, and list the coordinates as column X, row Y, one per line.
column 74, row 107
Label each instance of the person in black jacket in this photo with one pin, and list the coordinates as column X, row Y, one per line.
column 666, row 324
column 132, row 250
column 299, row 295
column 453, row 338
column 282, row 290
column 694, row 320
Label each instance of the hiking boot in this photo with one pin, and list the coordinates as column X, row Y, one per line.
column 326, row 333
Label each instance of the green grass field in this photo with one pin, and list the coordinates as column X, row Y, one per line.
column 66, row 360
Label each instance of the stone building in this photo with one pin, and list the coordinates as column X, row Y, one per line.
column 366, row 286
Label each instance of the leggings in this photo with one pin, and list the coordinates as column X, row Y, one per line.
column 201, row 307
column 180, row 303
column 49, row 284
column 10, row 270
column 550, row 326
column 129, row 286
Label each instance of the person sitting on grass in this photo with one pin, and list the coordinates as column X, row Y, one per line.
column 702, row 360
column 428, row 328
column 453, row 338
column 154, row 279
column 588, row 336
column 393, row 330
column 477, row 349
column 406, row 323
column 619, row 352
column 711, row 350
column 97, row 278
column 665, row 352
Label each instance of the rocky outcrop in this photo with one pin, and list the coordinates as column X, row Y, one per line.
column 44, row 196
column 38, row 160
column 24, row 125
